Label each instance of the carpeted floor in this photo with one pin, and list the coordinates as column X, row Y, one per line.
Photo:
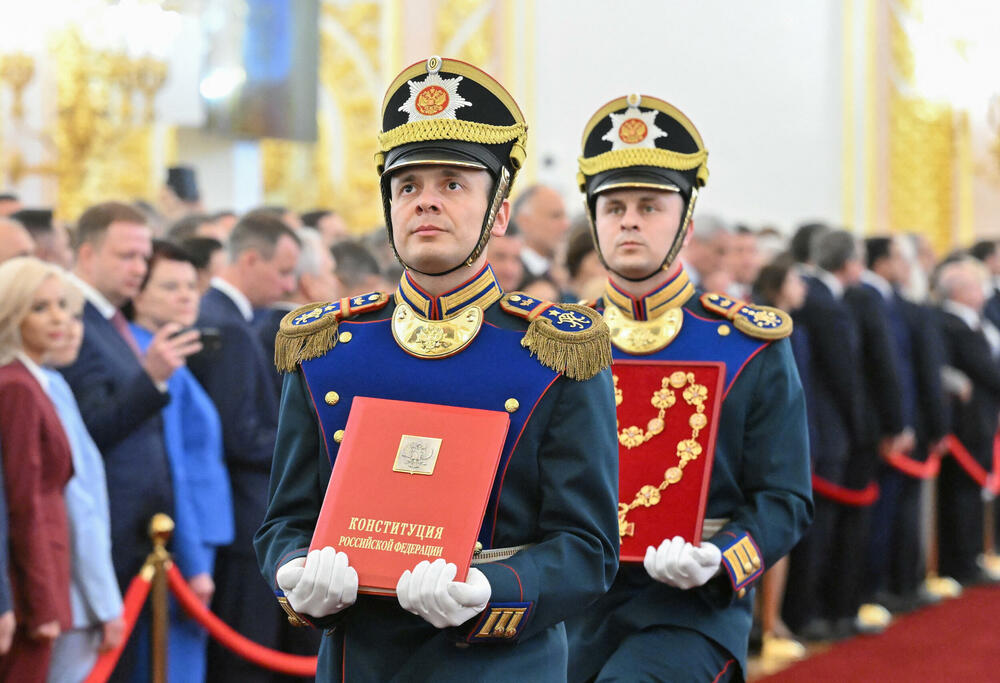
column 958, row 640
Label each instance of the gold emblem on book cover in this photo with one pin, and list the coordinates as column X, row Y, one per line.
column 417, row 454
column 663, row 399
column 435, row 338
column 643, row 336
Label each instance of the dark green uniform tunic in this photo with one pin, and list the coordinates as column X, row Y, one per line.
column 556, row 488
column 760, row 484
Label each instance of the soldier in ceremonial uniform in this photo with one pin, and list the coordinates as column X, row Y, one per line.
column 684, row 613
column 452, row 140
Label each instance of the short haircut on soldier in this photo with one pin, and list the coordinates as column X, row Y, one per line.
column 354, row 263
column 876, row 249
column 93, row 224
column 36, row 221
column 982, row 250
column 834, row 250
column 259, row 230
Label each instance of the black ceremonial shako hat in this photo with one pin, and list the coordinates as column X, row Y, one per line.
column 640, row 141
column 444, row 111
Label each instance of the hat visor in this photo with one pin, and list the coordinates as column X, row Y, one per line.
column 634, row 178
column 433, row 155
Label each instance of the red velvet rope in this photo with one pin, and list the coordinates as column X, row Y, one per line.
column 914, row 468
column 843, row 495
column 135, row 596
column 985, row 479
column 282, row 662
column 929, row 469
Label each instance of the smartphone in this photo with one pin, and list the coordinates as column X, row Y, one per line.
column 211, row 337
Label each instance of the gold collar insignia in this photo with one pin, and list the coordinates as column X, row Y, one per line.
column 641, row 337
column 435, row 338
column 671, row 294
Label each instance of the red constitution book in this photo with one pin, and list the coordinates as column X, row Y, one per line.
column 667, row 417
column 410, row 483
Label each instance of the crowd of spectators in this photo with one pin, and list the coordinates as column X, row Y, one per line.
column 137, row 377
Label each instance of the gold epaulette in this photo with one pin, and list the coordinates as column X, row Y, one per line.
column 568, row 338
column 311, row 330
column 762, row 322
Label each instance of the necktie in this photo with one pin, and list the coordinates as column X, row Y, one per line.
column 121, row 326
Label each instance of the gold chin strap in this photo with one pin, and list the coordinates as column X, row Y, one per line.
column 435, row 338
column 641, row 337
column 678, row 244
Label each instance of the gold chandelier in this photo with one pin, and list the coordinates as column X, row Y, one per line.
column 102, row 58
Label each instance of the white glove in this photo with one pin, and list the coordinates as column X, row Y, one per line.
column 429, row 592
column 319, row 584
column 682, row 565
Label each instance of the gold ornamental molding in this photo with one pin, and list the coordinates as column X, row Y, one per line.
column 922, row 143
column 89, row 123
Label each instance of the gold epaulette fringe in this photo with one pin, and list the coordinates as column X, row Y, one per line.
column 310, row 331
column 304, row 340
column 567, row 338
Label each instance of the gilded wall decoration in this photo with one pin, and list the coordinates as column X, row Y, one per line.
column 922, row 146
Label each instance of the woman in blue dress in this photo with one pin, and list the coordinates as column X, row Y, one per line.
column 193, row 434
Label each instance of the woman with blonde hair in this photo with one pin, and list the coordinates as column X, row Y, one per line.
column 37, row 463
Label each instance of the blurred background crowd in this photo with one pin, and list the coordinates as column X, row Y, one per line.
column 137, row 342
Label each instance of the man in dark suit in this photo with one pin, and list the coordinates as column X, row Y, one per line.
column 973, row 347
column 540, row 214
column 815, row 595
column 120, row 391
column 895, row 575
column 882, row 432
column 986, row 251
column 238, row 376
column 314, row 281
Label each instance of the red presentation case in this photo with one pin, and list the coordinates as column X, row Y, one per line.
column 410, row 483
column 661, row 504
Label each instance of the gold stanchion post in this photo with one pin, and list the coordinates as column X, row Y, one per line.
column 990, row 561
column 938, row 586
column 160, row 529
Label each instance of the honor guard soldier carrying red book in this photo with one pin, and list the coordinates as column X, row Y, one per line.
column 452, row 141
column 682, row 611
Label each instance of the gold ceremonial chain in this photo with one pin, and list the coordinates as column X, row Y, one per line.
column 687, row 449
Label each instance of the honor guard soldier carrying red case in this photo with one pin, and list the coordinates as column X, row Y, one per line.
column 548, row 529
column 675, row 351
